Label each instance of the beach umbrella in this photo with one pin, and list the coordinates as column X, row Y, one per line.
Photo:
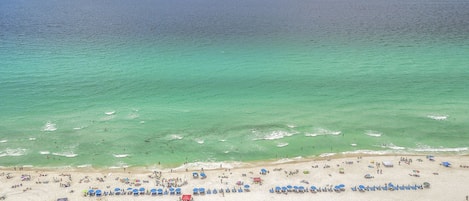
column 246, row 186
column 284, row 188
column 142, row 189
column 135, row 191
column 202, row 190
column 99, row 192
column 160, row 191
column 203, row 175
column 277, row 188
column 129, row 189
column 301, row 188
column 117, row 189
column 153, row 191
column 263, row 171
column 426, row 184
column 289, row 187
column 91, row 192
column 196, row 190
column 361, row 187
column 313, row 188
column 446, row 164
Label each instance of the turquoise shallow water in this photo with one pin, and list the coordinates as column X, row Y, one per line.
column 162, row 82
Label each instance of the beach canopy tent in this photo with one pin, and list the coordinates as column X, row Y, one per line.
column 186, row 197
column 62, row 199
column 388, row 164
column 257, row 180
column 203, row 175
column 446, row 164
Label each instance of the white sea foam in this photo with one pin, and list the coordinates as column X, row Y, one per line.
column 142, row 122
column 32, row 139
column 13, row 152
column 353, row 145
column 209, row 165
column 199, row 141
column 65, row 154
column 120, row 155
column 275, row 135
column 392, row 146
column 438, row 117
column 282, row 144
column 373, row 133
column 368, row 152
column 327, row 154
column 176, row 137
column 3, row 141
column 222, row 140
column 44, row 152
column 291, row 126
column 49, row 127
column 311, row 134
column 322, row 131
column 84, row 166
column 110, row 112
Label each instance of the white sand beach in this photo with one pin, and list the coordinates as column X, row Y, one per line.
column 408, row 175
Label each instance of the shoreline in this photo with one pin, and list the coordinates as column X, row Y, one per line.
column 349, row 170
column 224, row 164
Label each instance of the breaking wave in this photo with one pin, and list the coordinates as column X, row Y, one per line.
column 49, row 127
column 438, row 117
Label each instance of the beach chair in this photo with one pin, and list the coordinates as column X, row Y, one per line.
column 354, row 188
column 271, row 190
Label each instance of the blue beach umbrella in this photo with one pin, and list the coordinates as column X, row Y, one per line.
column 202, row 190
column 246, row 186
column 301, row 188
column 99, row 192
column 91, row 192
column 313, row 188
column 153, row 191
column 289, row 187
column 171, row 189
column 135, row 191
column 160, row 191
column 142, row 189
column 263, row 171
column 117, row 189
column 203, row 175
column 446, row 164
column 361, row 187
column 284, row 188
column 277, row 188
column 195, row 190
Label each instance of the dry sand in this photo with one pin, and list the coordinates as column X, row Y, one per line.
column 446, row 183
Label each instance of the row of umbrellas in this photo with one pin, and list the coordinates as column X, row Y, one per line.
column 302, row 188
column 203, row 191
column 136, row 191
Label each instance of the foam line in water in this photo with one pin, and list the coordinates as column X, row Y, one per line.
column 13, row 152
column 120, row 155
column 65, row 154
column 438, row 117
column 373, row 133
column 282, row 144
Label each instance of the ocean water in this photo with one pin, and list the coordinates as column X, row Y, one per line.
column 119, row 83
